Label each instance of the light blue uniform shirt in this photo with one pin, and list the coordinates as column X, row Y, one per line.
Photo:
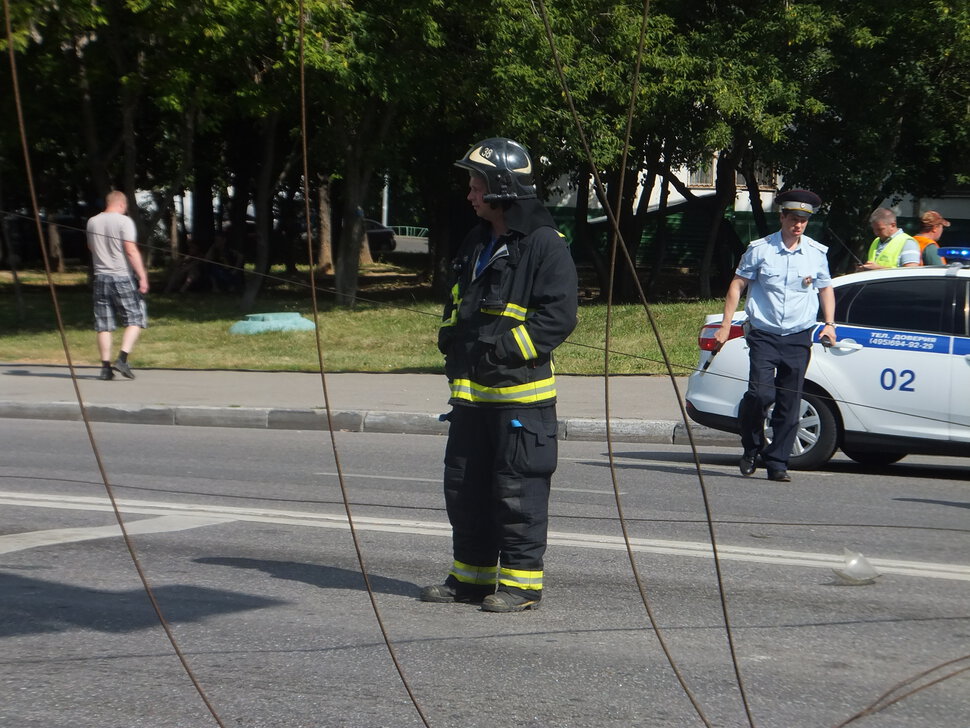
column 783, row 284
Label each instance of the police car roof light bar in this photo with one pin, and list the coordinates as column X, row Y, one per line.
column 956, row 254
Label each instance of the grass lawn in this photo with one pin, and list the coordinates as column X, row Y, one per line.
column 390, row 330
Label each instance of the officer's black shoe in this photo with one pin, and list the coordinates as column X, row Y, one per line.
column 748, row 463
column 449, row 593
column 106, row 374
column 780, row 476
column 503, row 601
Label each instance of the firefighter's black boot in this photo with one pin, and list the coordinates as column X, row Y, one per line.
column 449, row 593
column 503, row 601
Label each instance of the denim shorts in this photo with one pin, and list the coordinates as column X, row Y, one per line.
column 117, row 297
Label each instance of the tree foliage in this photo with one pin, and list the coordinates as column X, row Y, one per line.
column 858, row 101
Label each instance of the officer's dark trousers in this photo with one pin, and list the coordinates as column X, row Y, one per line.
column 778, row 365
column 498, row 467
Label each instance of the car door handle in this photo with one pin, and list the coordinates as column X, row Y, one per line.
column 846, row 345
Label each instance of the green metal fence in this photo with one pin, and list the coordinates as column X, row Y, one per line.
column 410, row 231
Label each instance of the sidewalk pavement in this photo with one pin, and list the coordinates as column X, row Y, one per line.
column 642, row 408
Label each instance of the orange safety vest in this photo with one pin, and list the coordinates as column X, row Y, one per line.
column 923, row 242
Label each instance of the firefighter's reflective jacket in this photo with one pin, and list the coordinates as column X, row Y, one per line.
column 505, row 319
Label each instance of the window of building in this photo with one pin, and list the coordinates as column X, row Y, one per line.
column 765, row 176
column 703, row 177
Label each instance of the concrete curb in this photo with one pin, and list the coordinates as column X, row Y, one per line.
column 667, row 432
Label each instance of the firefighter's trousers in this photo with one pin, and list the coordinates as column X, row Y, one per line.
column 498, row 467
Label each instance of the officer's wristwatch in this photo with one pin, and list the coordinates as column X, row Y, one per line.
column 830, row 323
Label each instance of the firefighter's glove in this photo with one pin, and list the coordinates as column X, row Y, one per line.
column 502, row 352
column 446, row 335
column 484, row 351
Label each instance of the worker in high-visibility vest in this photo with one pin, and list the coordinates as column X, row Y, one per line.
column 892, row 248
column 931, row 229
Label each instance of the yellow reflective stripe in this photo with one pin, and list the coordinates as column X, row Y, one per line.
column 455, row 302
column 512, row 310
column 515, row 311
column 519, row 578
column 471, row 574
column 526, row 347
column 469, row 391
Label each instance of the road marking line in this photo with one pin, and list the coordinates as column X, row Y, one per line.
column 163, row 524
column 699, row 549
column 681, row 466
column 438, row 480
column 385, row 477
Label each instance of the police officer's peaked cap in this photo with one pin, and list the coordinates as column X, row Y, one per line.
column 804, row 202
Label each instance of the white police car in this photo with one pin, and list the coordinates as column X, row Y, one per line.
column 895, row 383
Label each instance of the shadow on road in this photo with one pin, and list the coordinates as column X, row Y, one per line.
column 325, row 577
column 33, row 606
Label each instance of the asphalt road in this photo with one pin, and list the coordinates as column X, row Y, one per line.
column 242, row 535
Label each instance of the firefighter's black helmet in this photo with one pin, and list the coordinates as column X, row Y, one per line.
column 506, row 167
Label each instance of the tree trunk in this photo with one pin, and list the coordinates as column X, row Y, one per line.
column 365, row 257
column 359, row 163
column 638, row 216
column 89, row 128
column 325, row 255
column 54, row 249
column 725, row 186
column 203, row 216
column 348, row 257
column 583, row 238
column 264, row 211
column 622, row 202
column 242, row 138
column 174, row 238
column 754, row 195
column 660, row 238
column 448, row 215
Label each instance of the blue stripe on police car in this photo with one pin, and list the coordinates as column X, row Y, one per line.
column 896, row 340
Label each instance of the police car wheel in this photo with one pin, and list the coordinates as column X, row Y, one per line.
column 817, row 435
column 874, row 459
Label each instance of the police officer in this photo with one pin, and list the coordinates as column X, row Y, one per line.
column 782, row 274
column 514, row 300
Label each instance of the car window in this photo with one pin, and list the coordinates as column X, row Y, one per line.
column 913, row 304
column 843, row 297
column 961, row 310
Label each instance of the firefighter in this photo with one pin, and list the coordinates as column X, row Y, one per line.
column 513, row 302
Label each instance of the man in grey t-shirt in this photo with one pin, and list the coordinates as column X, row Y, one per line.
column 111, row 238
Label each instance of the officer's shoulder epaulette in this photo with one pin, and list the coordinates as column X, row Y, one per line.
column 817, row 245
column 757, row 243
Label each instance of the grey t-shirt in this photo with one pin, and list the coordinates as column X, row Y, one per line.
column 107, row 233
